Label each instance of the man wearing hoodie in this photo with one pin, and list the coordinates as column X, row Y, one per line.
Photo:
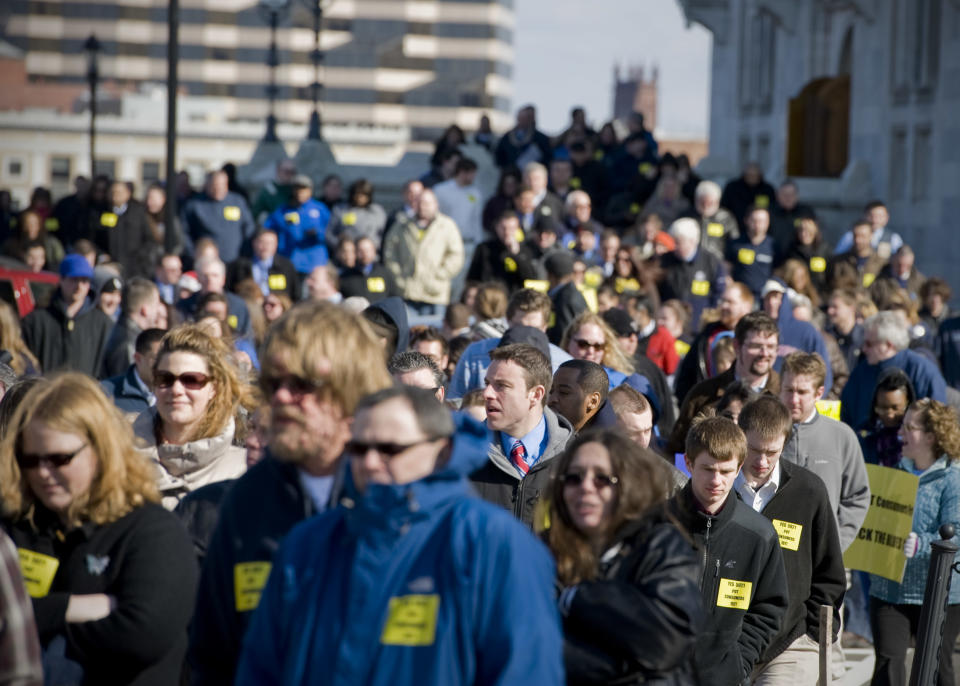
column 412, row 578
column 70, row 333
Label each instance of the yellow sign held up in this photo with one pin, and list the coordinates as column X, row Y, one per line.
column 829, row 408
column 878, row 547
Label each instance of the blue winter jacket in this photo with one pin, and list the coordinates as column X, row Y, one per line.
column 301, row 234
column 416, row 584
column 797, row 335
column 857, row 397
column 938, row 503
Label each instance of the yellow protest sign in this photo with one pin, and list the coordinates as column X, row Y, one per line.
column 38, row 571
column 734, row 594
column 249, row 578
column 411, row 621
column 829, row 408
column 878, row 547
column 537, row 284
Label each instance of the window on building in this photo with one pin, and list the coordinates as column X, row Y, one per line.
column 107, row 168
column 757, row 60
column 898, row 164
column 922, row 163
column 915, row 53
column 149, row 172
column 763, row 151
column 15, row 168
column 744, row 151
column 60, row 175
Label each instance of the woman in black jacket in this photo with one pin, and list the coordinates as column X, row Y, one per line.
column 111, row 573
column 630, row 596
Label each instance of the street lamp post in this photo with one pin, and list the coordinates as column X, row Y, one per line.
column 92, row 49
column 272, row 9
column 315, row 132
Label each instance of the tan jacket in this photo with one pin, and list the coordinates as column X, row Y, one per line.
column 424, row 262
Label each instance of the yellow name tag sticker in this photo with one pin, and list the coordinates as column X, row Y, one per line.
column 52, row 224
column 789, row 534
column 249, row 578
column 762, row 201
column 829, row 408
column 350, row 218
column 868, row 279
column 571, row 245
column 292, row 217
column 700, row 287
column 108, row 219
column 376, row 284
column 622, row 285
column 471, row 198
column 510, row 264
column 575, row 183
column 715, row 229
column 38, row 571
column 645, row 168
column 734, row 594
column 635, row 208
column 682, row 347
column 231, row 213
column 818, row 265
column 521, row 236
column 592, row 279
column 232, row 321
column 411, row 621
column 277, row 282
column 538, row 285
column 746, row 256
column 598, row 155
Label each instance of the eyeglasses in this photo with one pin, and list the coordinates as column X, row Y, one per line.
column 56, row 460
column 192, row 381
column 296, row 385
column 583, row 344
column 600, row 480
column 387, row 450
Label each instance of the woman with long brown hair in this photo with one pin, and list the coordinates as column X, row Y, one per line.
column 630, row 595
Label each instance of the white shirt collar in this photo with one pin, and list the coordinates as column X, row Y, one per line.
column 758, row 499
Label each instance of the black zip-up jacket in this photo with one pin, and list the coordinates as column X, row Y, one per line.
column 257, row 512
column 800, row 511
column 638, row 620
column 142, row 559
column 60, row 342
column 742, row 583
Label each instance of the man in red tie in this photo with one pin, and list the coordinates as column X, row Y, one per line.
column 526, row 433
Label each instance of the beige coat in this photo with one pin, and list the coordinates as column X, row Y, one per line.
column 424, row 262
column 185, row 468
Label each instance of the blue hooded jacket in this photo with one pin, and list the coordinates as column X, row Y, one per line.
column 421, row 583
column 798, row 335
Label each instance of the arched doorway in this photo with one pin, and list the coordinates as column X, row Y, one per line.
column 819, row 128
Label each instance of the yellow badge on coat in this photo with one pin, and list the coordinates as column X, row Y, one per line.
column 52, row 224
column 868, row 279
column 715, row 229
column 762, row 201
column 109, row 219
column 746, row 256
column 249, row 578
column 376, row 284
column 38, row 571
column 292, row 217
column 231, row 213
column 818, row 265
column 509, row 264
column 538, row 285
column 232, row 321
column 277, row 282
column 699, row 287
column 734, row 594
column 575, row 183
column 789, row 534
column 411, row 621
column 349, row 218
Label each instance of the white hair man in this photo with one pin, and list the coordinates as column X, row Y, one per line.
column 717, row 226
column 690, row 274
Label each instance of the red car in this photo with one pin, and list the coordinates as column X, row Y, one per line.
column 25, row 289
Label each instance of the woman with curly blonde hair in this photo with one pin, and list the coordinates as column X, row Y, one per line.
column 930, row 435
column 193, row 434
column 11, row 339
column 590, row 338
column 109, row 571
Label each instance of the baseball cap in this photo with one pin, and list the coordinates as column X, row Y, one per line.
column 621, row 322
column 559, row 264
column 75, row 267
column 526, row 334
column 773, row 286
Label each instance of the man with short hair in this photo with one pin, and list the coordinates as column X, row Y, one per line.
column 318, row 361
column 752, row 255
column 884, row 240
column 796, row 502
column 743, row 577
column 717, row 225
column 755, row 342
column 413, row 577
column 368, row 278
column 219, row 214
column 212, row 274
column 523, row 143
column 861, row 261
column 122, row 233
column 748, row 189
column 828, row 448
column 271, row 271
column 429, row 341
column 132, row 391
column 140, row 309
column 166, row 275
column 527, row 435
column 578, row 392
column 786, row 215
column 885, row 345
column 504, row 258
column 275, row 192
column 634, row 414
column 323, row 285
column 300, row 225
column 416, row 369
column 691, row 274
column 567, row 301
column 462, row 200
column 843, row 324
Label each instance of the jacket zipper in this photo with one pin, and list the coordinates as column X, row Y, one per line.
column 518, row 503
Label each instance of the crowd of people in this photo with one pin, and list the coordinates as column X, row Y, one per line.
column 576, row 432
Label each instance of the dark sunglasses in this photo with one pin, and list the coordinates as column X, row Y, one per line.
column 192, row 381
column 387, row 450
column 583, row 343
column 27, row 461
column 295, row 385
column 599, row 480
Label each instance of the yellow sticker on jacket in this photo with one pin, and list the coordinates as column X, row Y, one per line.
column 471, row 198
column 868, row 279
column 521, row 237
column 109, row 219
column 699, row 287
column 762, row 201
column 746, row 256
column 232, row 321
column 52, row 224
column 571, row 245
column 818, row 265
column 38, row 571
column 510, row 264
column 552, row 322
column 231, row 213
column 292, row 217
column 575, row 183
column 277, row 282
column 349, row 218
column 249, row 578
column 376, row 284
column 635, row 208
column 715, row 229
column 411, row 621
column 789, row 533
column 645, row 168
column 734, row 594
column 622, row 285
column 538, row 285
column 682, row 347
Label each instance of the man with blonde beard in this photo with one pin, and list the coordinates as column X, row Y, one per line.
column 318, row 361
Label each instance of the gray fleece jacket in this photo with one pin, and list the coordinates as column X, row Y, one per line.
column 830, row 450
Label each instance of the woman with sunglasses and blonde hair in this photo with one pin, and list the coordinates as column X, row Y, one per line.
column 590, row 338
column 630, row 597
column 191, row 435
column 109, row 571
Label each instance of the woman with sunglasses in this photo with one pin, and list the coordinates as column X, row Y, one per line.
column 930, row 435
column 630, row 597
column 109, row 571
column 590, row 338
column 191, row 433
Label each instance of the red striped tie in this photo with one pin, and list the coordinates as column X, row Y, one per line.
column 518, row 455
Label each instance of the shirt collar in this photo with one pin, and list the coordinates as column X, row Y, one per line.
column 532, row 441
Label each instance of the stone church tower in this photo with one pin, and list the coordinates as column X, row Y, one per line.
column 635, row 93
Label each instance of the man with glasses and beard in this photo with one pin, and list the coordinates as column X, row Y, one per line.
column 318, row 361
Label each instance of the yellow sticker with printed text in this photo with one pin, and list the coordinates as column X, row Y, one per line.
column 249, row 578
column 411, row 621
column 682, row 347
column 715, row 229
column 868, row 279
column 277, row 282
column 376, row 284
column 789, row 533
column 510, row 264
column 734, row 594
column 818, row 265
column 699, row 287
column 38, row 571
column 109, row 219
column 231, row 213
column 232, row 321
column 762, row 201
column 350, row 218
column 292, row 217
column 746, row 256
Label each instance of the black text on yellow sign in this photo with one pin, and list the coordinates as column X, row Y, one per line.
column 734, row 594
column 38, row 571
column 249, row 578
column 789, row 534
column 411, row 620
